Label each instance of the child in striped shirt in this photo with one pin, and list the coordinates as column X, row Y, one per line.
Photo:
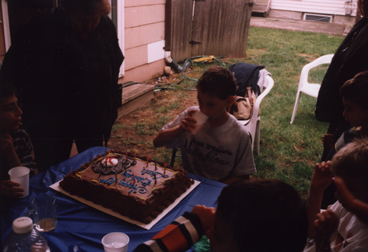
column 15, row 145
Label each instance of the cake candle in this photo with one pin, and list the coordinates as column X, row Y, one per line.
column 155, row 165
column 126, row 156
column 116, row 177
column 134, row 156
column 164, row 168
column 154, row 176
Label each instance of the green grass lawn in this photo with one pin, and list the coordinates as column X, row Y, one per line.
column 288, row 152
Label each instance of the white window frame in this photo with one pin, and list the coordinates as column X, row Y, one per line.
column 318, row 15
column 6, row 26
column 120, row 26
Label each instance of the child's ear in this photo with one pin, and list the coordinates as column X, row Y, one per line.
column 230, row 100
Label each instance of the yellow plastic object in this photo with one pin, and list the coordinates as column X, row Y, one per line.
column 205, row 59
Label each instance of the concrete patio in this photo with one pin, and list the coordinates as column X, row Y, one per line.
column 300, row 25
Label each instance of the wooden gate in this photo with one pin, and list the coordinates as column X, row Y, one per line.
column 210, row 27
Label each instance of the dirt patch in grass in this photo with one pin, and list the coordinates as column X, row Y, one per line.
column 308, row 57
column 135, row 131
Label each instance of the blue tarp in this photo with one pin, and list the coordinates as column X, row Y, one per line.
column 80, row 227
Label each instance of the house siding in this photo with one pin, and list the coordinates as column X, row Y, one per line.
column 326, row 7
column 144, row 30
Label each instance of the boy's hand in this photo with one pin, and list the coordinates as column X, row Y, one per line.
column 328, row 141
column 11, row 189
column 188, row 123
column 326, row 224
column 322, row 176
column 206, row 214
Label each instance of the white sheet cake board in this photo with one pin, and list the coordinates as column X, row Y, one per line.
column 148, row 226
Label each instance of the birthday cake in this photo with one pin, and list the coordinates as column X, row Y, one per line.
column 136, row 187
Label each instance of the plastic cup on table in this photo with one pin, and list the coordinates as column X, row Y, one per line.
column 201, row 119
column 115, row 242
column 20, row 175
column 44, row 212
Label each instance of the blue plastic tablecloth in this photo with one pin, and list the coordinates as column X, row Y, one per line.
column 80, row 227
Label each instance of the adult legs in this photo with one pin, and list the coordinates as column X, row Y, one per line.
column 88, row 135
column 49, row 152
column 51, row 138
column 86, row 143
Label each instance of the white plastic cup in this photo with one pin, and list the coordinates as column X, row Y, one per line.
column 115, row 242
column 20, row 175
column 201, row 119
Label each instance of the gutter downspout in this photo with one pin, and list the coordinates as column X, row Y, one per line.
column 167, row 55
column 167, row 47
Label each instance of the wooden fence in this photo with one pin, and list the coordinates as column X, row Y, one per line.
column 210, row 27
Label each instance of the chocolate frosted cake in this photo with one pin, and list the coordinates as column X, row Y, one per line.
column 136, row 187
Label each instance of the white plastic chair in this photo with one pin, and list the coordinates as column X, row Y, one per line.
column 310, row 89
column 253, row 124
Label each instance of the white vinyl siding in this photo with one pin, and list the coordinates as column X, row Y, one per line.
column 328, row 7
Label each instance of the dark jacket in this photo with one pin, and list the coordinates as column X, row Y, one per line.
column 350, row 58
column 246, row 75
column 65, row 82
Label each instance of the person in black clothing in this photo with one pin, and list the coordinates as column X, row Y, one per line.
column 65, row 66
column 349, row 59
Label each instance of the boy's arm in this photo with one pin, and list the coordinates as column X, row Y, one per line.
column 182, row 233
column 7, row 147
column 166, row 136
column 321, row 178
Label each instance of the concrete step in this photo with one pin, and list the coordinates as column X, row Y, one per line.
column 135, row 96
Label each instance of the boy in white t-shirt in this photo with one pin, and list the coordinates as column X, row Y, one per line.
column 222, row 149
column 340, row 229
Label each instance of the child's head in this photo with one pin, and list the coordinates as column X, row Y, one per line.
column 259, row 215
column 10, row 113
column 217, row 81
column 354, row 95
column 351, row 164
column 216, row 89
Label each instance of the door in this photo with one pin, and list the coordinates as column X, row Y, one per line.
column 210, row 27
